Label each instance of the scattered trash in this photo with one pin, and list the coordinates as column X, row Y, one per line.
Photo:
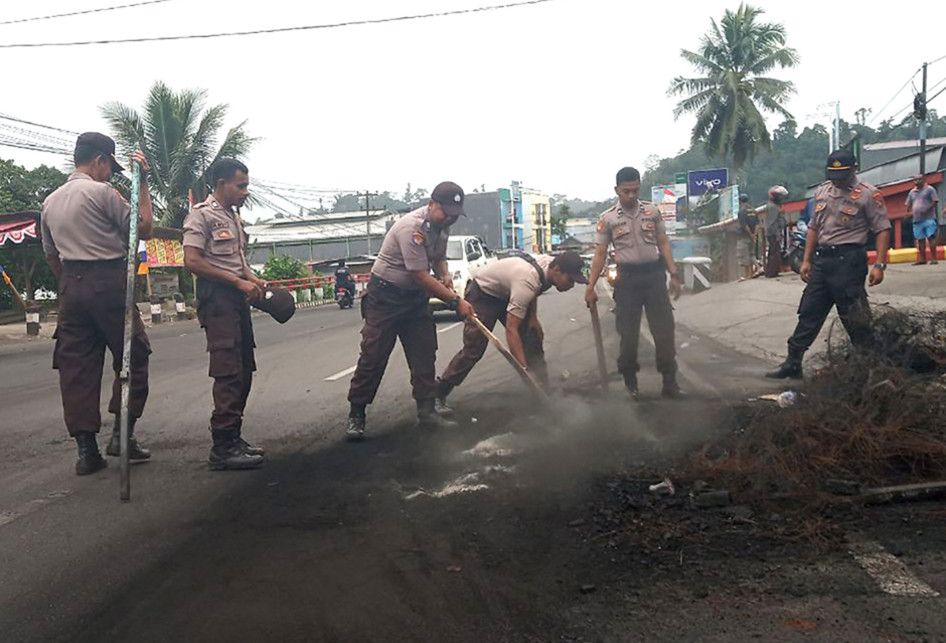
column 577, row 523
column 572, row 320
column 454, row 569
column 685, row 345
column 787, row 399
column 664, row 488
column 566, row 375
column 588, row 589
column 272, row 484
column 904, row 493
column 474, row 420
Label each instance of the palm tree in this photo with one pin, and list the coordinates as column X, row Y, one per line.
column 179, row 137
column 732, row 91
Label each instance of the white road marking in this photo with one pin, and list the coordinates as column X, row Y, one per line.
column 340, row 374
column 349, row 371
column 7, row 517
column 888, row 571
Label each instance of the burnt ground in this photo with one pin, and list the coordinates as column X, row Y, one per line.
column 408, row 537
column 351, row 543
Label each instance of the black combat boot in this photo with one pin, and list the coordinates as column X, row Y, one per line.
column 356, row 423
column 670, row 387
column 90, row 460
column 427, row 417
column 789, row 369
column 248, row 448
column 630, row 383
column 441, row 407
column 135, row 450
column 227, row 453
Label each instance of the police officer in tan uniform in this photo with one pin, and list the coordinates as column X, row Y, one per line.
column 395, row 306
column 845, row 210
column 507, row 291
column 85, row 226
column 215, row 250
column 642, row 251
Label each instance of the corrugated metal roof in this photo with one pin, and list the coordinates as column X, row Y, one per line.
column 336, row 225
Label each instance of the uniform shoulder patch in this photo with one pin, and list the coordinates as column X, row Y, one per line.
column 602, row 225
column 418, row 238
column 119, row 195
column 877, row 196
column 820, row 205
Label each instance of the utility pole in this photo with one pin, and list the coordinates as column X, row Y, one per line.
column 368, row 196
column 919, row 111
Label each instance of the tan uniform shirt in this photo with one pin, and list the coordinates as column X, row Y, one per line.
column 219, row 233
column 845, row 215
column 514, row 279
column 85, row 220
column 633, row 234
column 413, row 243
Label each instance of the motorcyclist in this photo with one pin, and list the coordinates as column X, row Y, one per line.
column 344, row 279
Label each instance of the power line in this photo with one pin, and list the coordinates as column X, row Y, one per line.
column 255, row 32
column 49, row 127
column 894, row 97
column 81, row 13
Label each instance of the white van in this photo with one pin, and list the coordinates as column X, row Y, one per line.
column 465, row 256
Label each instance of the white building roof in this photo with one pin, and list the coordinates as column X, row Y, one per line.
column 320, row 227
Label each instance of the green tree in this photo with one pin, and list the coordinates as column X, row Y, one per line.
column 732, row 91
column 25, row 190
column 283, row 267
column 180, row 139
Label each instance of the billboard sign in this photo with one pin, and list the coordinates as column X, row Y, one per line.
column 699, row 182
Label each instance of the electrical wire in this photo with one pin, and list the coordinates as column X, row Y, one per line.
column 254, row 32
column 81, row 13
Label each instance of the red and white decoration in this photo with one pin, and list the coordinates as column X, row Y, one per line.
column 17, row 231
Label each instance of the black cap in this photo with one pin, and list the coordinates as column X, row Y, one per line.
column 571, row 263
column 743, row 197
column 840, row 162
column 449, row 195
column 101, row 144
column 278, row 302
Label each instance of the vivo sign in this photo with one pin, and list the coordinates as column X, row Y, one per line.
column 702, row 181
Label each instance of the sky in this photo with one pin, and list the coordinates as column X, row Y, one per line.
column 557, row 95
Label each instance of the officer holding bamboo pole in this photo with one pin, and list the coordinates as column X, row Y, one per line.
column 85, row 227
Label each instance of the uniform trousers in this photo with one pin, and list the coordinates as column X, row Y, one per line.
column 91, row 319
column 391, row 313
column 643, row 288
column 837, row 279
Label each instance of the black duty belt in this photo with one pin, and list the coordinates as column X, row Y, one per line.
column 378, row 282
column 641, row 268
column 838, row 250
column 97, row 263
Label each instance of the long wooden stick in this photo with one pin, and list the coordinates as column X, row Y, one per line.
column 124, row 375
column 9, row 283
column 599, row 345
column 526, row 376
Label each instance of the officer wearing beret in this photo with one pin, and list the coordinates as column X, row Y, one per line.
column 642, row 249
column 846, row 210
column 395, row 306
column 85, row 228
column 215, row 250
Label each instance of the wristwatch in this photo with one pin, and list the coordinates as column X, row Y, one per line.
column 880, row 266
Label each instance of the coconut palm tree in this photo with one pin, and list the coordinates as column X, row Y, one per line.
column 180, row 139
column 731, row 93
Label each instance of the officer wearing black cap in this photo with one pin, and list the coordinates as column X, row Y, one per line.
column 395, row 306
column 507, row 291
column 215, row 250
column 85, row 226
column 846, row 210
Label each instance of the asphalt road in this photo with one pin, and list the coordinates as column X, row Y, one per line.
column 408, row 536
